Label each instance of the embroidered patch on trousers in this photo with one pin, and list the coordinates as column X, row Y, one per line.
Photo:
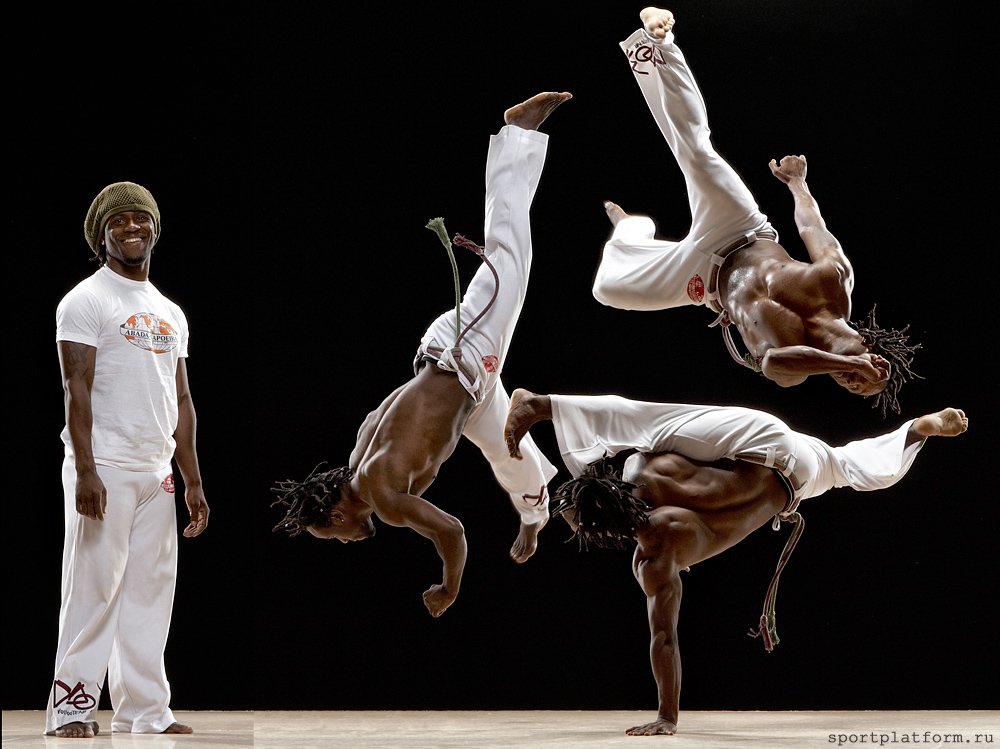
column 696, row 289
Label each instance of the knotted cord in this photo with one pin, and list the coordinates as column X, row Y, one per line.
column 767, row 627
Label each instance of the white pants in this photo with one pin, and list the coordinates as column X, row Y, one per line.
column 118, row 580
column 513, row 168
column 638, row 272
column 591, row 427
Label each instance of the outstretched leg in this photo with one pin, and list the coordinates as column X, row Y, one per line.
column 531, row 113
column 722, row 207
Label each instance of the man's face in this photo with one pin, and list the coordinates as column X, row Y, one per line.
column 129, row 237
column 345, row 525
column 855, row 383
column 570, row 517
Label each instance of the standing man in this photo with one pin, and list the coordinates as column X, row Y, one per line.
column 122, row 349
column 794, row 317
column 456, row 390
column 702, row 479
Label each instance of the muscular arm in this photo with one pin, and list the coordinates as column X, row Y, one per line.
column 791, row 365
column 77, row 362
column 661, row 581
column 186, row 455
column 443, row 530
column 820, row 243
column 673, row 539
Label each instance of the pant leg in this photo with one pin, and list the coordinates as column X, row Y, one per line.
column 524, row 480
column 95, row 554
column 722, row 207
column 638, row 271
column 140, row 692
column 589, row 427
column 513, row 169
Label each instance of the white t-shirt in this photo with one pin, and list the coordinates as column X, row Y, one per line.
column 140, row 336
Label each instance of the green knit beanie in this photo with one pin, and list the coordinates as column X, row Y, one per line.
column 115, row 198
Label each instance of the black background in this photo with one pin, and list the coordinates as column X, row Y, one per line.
column 297, row 150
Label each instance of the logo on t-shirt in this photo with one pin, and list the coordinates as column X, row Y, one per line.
column 150, row 332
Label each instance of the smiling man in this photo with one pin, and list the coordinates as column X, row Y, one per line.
column 122, row 348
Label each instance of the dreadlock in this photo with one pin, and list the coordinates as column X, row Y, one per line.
column 309, row 502
column 892, row 345
column 605, row 511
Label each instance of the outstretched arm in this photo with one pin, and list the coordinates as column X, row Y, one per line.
column 445, row 532
column 791, row 365
column 661, row 581
column 820, row 243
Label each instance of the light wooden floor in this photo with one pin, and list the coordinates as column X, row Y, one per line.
column 538, row 730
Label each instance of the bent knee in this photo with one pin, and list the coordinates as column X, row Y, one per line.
column 618, row 293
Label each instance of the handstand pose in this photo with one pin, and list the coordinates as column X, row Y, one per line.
column 456, row 390
column 703, row 479
column 793, row 316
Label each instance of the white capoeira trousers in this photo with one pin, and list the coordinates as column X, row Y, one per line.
column 638, row 272
column 591, row 427
column 513, row 169
column 118, row 582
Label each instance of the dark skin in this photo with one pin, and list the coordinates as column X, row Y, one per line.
column 402, row 444
column 699, row 510
column 129, row 238
column 793, row 316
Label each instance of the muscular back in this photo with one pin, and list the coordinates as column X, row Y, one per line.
column 702, row 509
column 403, row 442
column 775, row 301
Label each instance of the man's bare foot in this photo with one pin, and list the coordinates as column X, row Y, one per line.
column 526, row 542
column 615, row 212
column 532, row 113
column 76, row 730
column 177, row 728
column 948, row 422
column 526, row 408
column 657, row 21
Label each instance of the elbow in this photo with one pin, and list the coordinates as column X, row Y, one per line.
column 454, row 529
column 775, row 367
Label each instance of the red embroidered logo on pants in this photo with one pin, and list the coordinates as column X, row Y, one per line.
column 168, row 484
column 491, row 363
column 696, row 289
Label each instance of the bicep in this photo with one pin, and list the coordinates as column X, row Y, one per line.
column 183, row 390
column 409, row 511
column 77, row 362
column 822, row 246
column 663, row 591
